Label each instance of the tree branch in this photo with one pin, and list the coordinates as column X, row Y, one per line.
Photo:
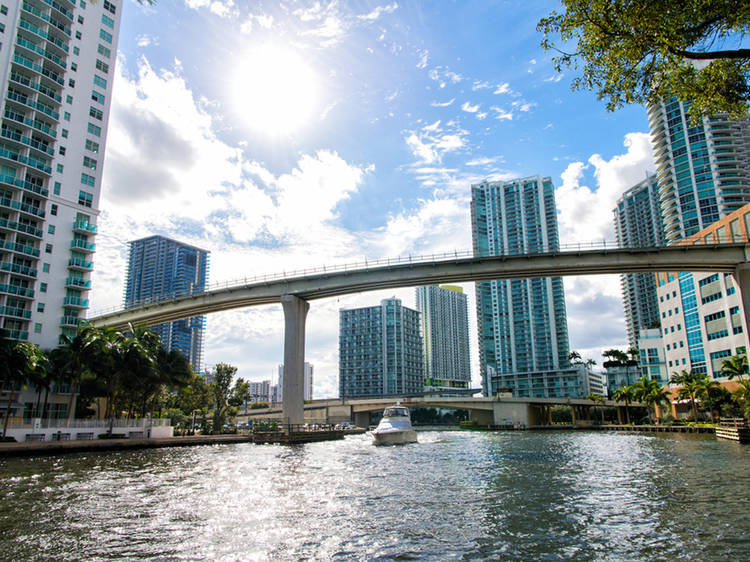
column 727, row 54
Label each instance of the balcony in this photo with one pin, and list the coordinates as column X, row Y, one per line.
column 82, row 245
column 19, row 248
column 79, row 264
column 76, row 283
column 17, row 335
column 23, row 207
column 17, row 268
column 20, row 79
column 20, row 227
column 84, row 227
column 16, row 290
column 69, row 321
column 15, row 312
column 76, row 302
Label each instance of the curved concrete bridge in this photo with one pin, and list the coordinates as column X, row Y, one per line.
column 294, row 291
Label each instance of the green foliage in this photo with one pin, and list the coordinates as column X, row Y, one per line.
column 265, row 425
column 641, row 51
column 735, row 366
column 258, row 405
column 221, row 389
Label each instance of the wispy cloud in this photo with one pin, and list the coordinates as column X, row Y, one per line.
column 442, row 104
column 502, row 114
column 466, row 106
column 502, row 89
column 378, row 11
column 424, row 56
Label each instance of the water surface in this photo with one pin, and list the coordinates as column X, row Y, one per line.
column 454, row 495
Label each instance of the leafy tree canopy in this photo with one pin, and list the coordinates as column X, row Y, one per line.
column 638, row 51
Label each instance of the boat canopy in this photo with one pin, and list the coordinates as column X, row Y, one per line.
column 396, row 411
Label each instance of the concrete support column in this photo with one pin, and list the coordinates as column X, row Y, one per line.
column 573, row 414
column 361, row 419
column 619, row 415
column 742, row 281
column 295, row 314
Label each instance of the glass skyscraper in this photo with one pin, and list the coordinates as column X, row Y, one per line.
column 703, row 171
column 56, row 75
column 522, row 324
column 160, row 268
column 638, row 223
column 445, row 335
column 380, row 351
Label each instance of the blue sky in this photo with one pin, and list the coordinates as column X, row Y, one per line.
column 285, row 135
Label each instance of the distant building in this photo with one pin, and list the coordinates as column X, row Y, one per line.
column 380, row 351
column 597, row 383
column 621, row 374
column 652, row 362
column 160, row 268
column 445, row 337
column 703, row 171
column 638, row 223
column 308, row 382
column 260, row 391
column 522, row 323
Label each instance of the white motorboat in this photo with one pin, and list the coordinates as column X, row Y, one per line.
column 395, row 427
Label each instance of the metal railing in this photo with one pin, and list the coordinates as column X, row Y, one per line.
column 368, row 264
column 89, row 424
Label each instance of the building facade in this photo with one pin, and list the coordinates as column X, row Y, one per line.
column 702, row 317
column 703, row 171
column 638, row 224
column 522, row 323
column 380, row 351
column 160, row 268
column 260, row 391
column 307, row 392
column 652, row 360
column 56, row 73
column 444, row 315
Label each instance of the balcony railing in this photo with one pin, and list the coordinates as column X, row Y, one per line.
column 82, row 245
column 77, row 283
column 15, row 312
column 16, row 268
column 23, row 207
column 83, row 226
column 76, row 301
column 16, row 290
column 20, row 227
column 77, row 263
column 69, row 321
column 20, row 248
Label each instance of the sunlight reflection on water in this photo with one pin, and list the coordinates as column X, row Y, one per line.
column 452, row 495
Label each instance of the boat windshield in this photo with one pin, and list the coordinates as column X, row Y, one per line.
column 396, row 412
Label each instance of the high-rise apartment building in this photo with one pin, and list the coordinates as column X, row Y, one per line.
column 703, row 171
column 307, row 389
column 161, row 268
column 638, row 223
column 522, row 323
column 445, row 337
column 56, row 73
column 380, row 351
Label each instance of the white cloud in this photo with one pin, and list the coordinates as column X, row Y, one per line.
column 480, row 85
column 503, row 89
column 424, row 56
column 144, row 40
column 482, row 161
column 470, row 108
column 225, row 9
column 429, row 144
column 501, row 114
column 442, row 104
column 554, row 78
column 378, row 11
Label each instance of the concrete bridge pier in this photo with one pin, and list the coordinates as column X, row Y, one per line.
column 295, row 314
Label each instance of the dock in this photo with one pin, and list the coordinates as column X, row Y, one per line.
column 733, row 429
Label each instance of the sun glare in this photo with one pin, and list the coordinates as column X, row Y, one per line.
column 276, row 90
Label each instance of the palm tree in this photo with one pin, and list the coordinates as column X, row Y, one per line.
column 72, row 358
column 742, row 395
column 650, row 393
column 627, row 395
column 689, row 381
column 735, row 366
column 18, row 361
column 598, row 399
column 574, row 357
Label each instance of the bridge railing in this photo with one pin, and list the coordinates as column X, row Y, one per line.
column 399, row 261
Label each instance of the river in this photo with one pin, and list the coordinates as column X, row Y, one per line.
column 453, row 495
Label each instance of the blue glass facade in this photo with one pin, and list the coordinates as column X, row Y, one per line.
column 522, row 323
column 161, row 268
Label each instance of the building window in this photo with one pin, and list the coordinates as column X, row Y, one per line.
column 94, row 130
column 103, row 66
column 85, row 198
column 4, row 10
column 89, row 163
column 61, row 150
column 48, row 249
column 59, row 168
column 99, row 81
column 64, row 133
column 37, row 328
column 68, row 99
column 97, row 97
column 109, row 22
column 72, row 83
column 76, row 51
column 92, row 146
column 78, row 35
column 56, row 188
column 109, row 7
column 96, row 113
column 51, row 227
column 66, row 116
column 45, row 268
column 73, row 66
column 40, row 307
column 105, row 36
column 53, row 210
column 80, row 20
column 102, row 50
column 43, row 287
column 87, row 180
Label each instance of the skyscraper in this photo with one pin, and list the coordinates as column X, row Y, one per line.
column 161, row 268
column 638, row 223
column 380, row 351
column 703, row 171
column 445, row 336
column 56, row 73
column 522, row 323
column 307, row 388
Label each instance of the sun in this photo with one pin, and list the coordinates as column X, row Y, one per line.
column 276, row 90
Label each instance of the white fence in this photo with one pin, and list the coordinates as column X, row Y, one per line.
column 63, row 430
